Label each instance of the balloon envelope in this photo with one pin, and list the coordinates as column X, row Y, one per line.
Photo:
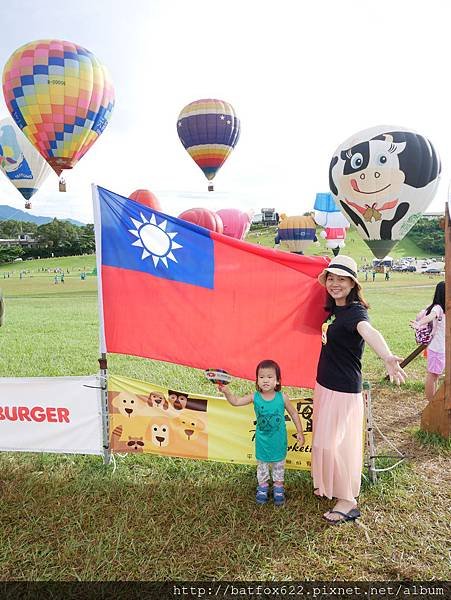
column 203, row 217
column 383, row 179
column 147, row 198
column 20, row 162
column 296, row 233
column 61, row 96
column 209, row 130
column 236, row 222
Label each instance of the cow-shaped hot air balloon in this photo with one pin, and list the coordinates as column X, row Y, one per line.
column 20, row 162
column 209, row 130
column 296, row 233
column 60, row 96
column 383, row 179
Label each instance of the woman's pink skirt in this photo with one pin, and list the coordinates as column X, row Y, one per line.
column 337, row 443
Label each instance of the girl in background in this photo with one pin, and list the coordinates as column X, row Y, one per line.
column 434, row 313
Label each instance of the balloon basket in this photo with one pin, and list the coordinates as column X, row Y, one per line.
column 28, row 205
column 62, row 184
column 211, row 188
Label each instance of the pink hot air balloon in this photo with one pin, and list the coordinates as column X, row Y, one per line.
column 236, row 222
column 146, row 198
column 203, row 217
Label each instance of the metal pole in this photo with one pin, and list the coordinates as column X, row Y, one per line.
column 370, row 445
column 104, row 402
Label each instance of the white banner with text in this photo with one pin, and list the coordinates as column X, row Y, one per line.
column 51, row 414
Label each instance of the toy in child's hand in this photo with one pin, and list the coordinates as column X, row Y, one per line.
column 218, row 376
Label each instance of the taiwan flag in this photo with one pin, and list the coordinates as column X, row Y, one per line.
column 173, row 291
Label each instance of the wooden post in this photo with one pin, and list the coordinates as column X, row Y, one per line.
column 436, row 417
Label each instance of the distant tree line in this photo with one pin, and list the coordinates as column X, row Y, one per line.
column 428, row 235
column 57, row 238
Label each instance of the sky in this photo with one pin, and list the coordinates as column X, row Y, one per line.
column 303, row 76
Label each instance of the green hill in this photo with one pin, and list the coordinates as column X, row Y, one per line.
column 355, row 246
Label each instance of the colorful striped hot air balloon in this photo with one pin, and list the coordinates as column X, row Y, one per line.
column 61, row 96
column 209, row 130
column 296, row 233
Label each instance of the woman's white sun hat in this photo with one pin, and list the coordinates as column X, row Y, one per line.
column 340, row 265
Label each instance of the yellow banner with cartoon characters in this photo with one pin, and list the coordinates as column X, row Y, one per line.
column 145, row 417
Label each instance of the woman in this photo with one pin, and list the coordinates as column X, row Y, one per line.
column 337, row 402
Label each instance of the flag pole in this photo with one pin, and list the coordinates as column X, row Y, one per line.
column 103, row 363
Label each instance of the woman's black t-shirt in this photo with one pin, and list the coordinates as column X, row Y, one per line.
column 340, row 367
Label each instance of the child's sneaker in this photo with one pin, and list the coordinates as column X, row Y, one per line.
column 262, row 494
column 278, row 493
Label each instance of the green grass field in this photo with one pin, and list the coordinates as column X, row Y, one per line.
column 155, row 518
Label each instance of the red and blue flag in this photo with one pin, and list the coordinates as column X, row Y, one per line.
column 173, row 291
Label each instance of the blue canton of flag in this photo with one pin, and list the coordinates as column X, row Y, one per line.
column 137, row 238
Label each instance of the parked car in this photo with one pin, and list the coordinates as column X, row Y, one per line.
column 409, row 269
column 433, row 270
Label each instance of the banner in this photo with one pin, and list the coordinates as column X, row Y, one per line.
column 51, row 414
column 145, row 417
column 174, row 291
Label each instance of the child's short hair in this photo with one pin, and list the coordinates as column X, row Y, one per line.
column 269, row 364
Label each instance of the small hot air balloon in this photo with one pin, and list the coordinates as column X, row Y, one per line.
column 147, row 198
column 296, row 233
column 236, row 222
column 383, row 179
column 209, row 130
column 203, row 217
column 60, row 96
column 20, row 162
column 328, row 215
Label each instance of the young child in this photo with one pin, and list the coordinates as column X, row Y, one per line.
column 271, row 432
column 435, row 312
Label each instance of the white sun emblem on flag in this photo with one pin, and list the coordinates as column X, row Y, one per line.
column 154, row 240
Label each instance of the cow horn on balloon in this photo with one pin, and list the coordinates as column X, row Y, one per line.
column 383, row 179
column 60, row 96
column 209, row 130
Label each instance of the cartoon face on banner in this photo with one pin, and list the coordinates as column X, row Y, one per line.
column 383, row 179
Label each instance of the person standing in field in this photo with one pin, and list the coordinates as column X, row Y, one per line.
column 435, row 314
column 271, row 444
column 337, row 398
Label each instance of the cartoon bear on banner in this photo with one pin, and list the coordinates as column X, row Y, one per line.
column 383, row 179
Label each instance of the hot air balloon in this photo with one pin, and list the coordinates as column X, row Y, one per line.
column 296, row 233
column 203, row 217
column 328, row 215
column 20, row 162
column 60, row 96
column 147, row 198
column 236, row 222
column 383, row 179
column 209, row 130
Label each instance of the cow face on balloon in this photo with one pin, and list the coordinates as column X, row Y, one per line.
column 383, row 181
